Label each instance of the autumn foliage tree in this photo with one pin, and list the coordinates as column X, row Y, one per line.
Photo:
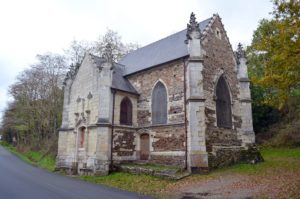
column 275, row 53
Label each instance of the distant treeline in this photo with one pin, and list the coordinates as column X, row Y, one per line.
column 32, row 119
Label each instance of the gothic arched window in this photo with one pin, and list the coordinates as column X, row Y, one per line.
column 159, row 104
column 223, row 104
column 126, row 111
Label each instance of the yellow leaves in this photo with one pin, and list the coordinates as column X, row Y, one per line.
column 279, row 38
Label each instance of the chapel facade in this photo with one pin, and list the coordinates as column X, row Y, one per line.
column 183, row 100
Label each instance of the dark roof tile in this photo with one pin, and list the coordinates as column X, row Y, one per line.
column 120, row 82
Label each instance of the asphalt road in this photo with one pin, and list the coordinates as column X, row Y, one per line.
column 19, row 180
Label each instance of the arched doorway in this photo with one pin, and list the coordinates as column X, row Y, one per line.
column 145, row 147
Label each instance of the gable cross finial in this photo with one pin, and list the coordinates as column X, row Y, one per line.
column 240, row 53
column 108, row 53
column 192, row 26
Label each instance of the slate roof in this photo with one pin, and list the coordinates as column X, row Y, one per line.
column 159, row 52
column 119, row 82
column 170, row 48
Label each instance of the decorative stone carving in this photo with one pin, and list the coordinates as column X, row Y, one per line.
column 108, row 53
column 90, row 96
column 71, row 73
column 240, row 53
column 192, row 26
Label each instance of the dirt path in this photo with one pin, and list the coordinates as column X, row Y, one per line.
column 219, row 187
column 238, row 186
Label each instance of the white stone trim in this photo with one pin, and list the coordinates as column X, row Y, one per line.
column 206, row 29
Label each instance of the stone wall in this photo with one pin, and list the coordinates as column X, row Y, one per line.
column 168, row 138
column 167, row 142
column 232, row 155
column 66, row 156
column 219, row 59
column 85, row 93
column 172, row 76
column 124, row 144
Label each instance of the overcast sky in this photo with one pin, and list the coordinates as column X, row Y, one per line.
column 30, row 27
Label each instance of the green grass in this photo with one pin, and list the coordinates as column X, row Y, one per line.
column 275, row 159
column 33, row 157
column 143, row 184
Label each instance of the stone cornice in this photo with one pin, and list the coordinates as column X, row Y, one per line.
column 247, row 100
column 195, row 99
column 196, row 59
column 126, row 127
column 161, row 125
column 65, row 129
column 101, row 125
column 244, row 79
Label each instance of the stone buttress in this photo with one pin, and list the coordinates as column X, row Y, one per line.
column 248, row 136
column 195, row 101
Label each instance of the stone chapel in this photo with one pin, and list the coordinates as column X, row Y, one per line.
column 183, row 100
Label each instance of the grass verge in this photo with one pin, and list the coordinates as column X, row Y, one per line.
column 281, row 164
column 35, row 158
column 276, row 161
column 142, row 184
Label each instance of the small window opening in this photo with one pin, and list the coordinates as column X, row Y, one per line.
column 126, row 112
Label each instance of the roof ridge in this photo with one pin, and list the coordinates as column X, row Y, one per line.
column 161, row 51
column 152, row 43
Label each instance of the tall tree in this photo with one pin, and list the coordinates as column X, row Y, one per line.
column 76, row 51
column 35, row 114
column 111, row 41
column 276, row 48
column 109, row 46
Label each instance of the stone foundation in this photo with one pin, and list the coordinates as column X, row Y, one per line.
column 90, row 167
column 168, row 160
column 225, row 156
